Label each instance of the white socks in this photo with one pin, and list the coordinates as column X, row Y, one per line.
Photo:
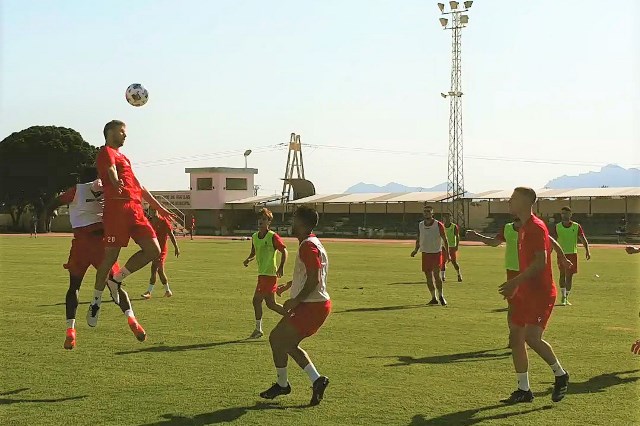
column 557, row 369
column 121, row 275
column 564, row 292
column 97, row 297
column 166, row 286
column 71, row 323
column 150, row 288
column 259, row 325
column 312, row 372
column 523, row 381
column 129, row 313
column 283, row 379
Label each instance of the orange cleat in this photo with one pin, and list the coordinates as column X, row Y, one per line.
column 70, row 340
column 137, row 329
column 168, row 293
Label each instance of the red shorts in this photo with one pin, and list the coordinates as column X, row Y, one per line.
column 308, row 317
column 266, row 285
column 453, row 254
column 574, row 260
column 87, row 250
column 124, row 219
column 431, row 261
column 531, row 311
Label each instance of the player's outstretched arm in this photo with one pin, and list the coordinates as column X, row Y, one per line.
column 490, row 241
column 155, row 204
column 309, row 285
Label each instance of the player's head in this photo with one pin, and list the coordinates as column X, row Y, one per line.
column 446, row 217
column 522, row 200
column 566, row 213
column 87, row 174
column 305, row 219
column 264, row 219
column 115, row 132
column 428, row 212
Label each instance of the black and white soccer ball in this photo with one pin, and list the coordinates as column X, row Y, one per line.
column 137, row 95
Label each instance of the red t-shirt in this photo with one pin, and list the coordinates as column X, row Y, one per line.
column 107, row 157
column 533, row 237
column 163, row 229
column 278, row 244
column 310, row 255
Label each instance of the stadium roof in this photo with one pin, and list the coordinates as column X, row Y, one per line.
column 259, row 199
column 565, row 193
column 390, row 197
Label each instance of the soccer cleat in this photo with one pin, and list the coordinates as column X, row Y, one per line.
column 92, row 315
column 70, row 340
column 168, row 293
column 433, row 301
column 114, row 286
column 560, row 388
column 567, row 300
column 319, row 386
column 459, row 278
column 519, row 396
column 443, row 302
column 137, row 329
column 444, row 277
column 146, row 295
column 275, row 391
column 256, row 334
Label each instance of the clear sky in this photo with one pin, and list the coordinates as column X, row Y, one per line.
column 543, row 80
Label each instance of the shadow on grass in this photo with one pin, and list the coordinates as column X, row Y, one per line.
column 60, row 304
column 489, row 354
column 409, row 283
column 194, row 347
column 499, row 310
column 383, row 308
column 225, row 415
column 596, row 384
column 468, row 417
column 7, row 401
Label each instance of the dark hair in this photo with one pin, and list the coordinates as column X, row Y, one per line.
column 566, row 209
column 111, row 125
column 266, row 213
column 428, row 207
column 88, row 174
column 528, row 192
column 308, row 215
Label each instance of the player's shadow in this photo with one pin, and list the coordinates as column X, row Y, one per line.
column 500, row 310
column 225, row 415
column 468, row 417
column 408, row 283
column 9, row 401
column 486, row 355
column 194, row 347
column 597, row 384
column 383, row 308
column 60, row 304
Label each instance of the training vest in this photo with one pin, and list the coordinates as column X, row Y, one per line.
column 87, row 205
column 430, row 239
column 265, row 254
column 319, row 294
column 450, row 232
column 568, row 237
column 511, row 259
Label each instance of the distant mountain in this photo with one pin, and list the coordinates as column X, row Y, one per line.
column 611, row 176
column 362, row 187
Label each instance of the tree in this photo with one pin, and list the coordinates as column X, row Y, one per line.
column 36, row 164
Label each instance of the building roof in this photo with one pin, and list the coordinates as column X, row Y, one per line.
column 258, row 199
column 230, row 170
column 565, row 193
column 389, row 197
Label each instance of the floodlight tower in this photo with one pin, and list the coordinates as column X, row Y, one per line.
column 455, row 167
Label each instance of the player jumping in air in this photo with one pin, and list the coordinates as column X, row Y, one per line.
column 265, row 245
column 87, row 247
column 568, row 233
column 164, row 231
column 123, row 219
column 431, row 239
column 533, row 294
column 307, row 309
column 452, row 231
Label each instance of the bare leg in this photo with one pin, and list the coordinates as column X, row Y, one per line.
column 430, row 286
column 533, row 337
column 163, row 276
column 270, row 300
column 102, row 273
column 149, row 250
column 257, row 305
column 518, row 348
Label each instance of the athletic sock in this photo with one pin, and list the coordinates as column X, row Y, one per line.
column 97, row 297
column 129, row 313
column 564, row 292
column 283, row 380
column 259, row 325
column 166, row 287
column 71, row 323
column 150, row 288
column 523, row 381
column 557, row 369
column 121, row 275
column 311, row 371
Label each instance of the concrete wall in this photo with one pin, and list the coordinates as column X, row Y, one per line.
column 216, row 198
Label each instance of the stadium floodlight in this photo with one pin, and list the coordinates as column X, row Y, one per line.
column 464, row 19
column 454, row 5
column 247, row 153
column 467, row 4
column 443, row 21
column 441, row 6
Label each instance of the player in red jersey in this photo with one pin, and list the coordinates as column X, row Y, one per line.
column 85, row 202
column 164, row 231
column 533, row 295
column 307, row 309
column 124, row 218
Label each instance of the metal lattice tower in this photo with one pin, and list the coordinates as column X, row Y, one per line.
column 295, row 166
column 455, row 166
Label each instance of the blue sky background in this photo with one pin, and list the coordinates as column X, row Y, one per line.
column 547, row 80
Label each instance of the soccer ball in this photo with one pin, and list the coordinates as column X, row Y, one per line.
column 137, row 95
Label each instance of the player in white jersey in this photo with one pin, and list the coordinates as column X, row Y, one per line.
column 431, row 241
column 307, row 309
column 87, row 247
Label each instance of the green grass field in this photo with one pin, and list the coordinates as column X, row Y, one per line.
column 391, row 359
